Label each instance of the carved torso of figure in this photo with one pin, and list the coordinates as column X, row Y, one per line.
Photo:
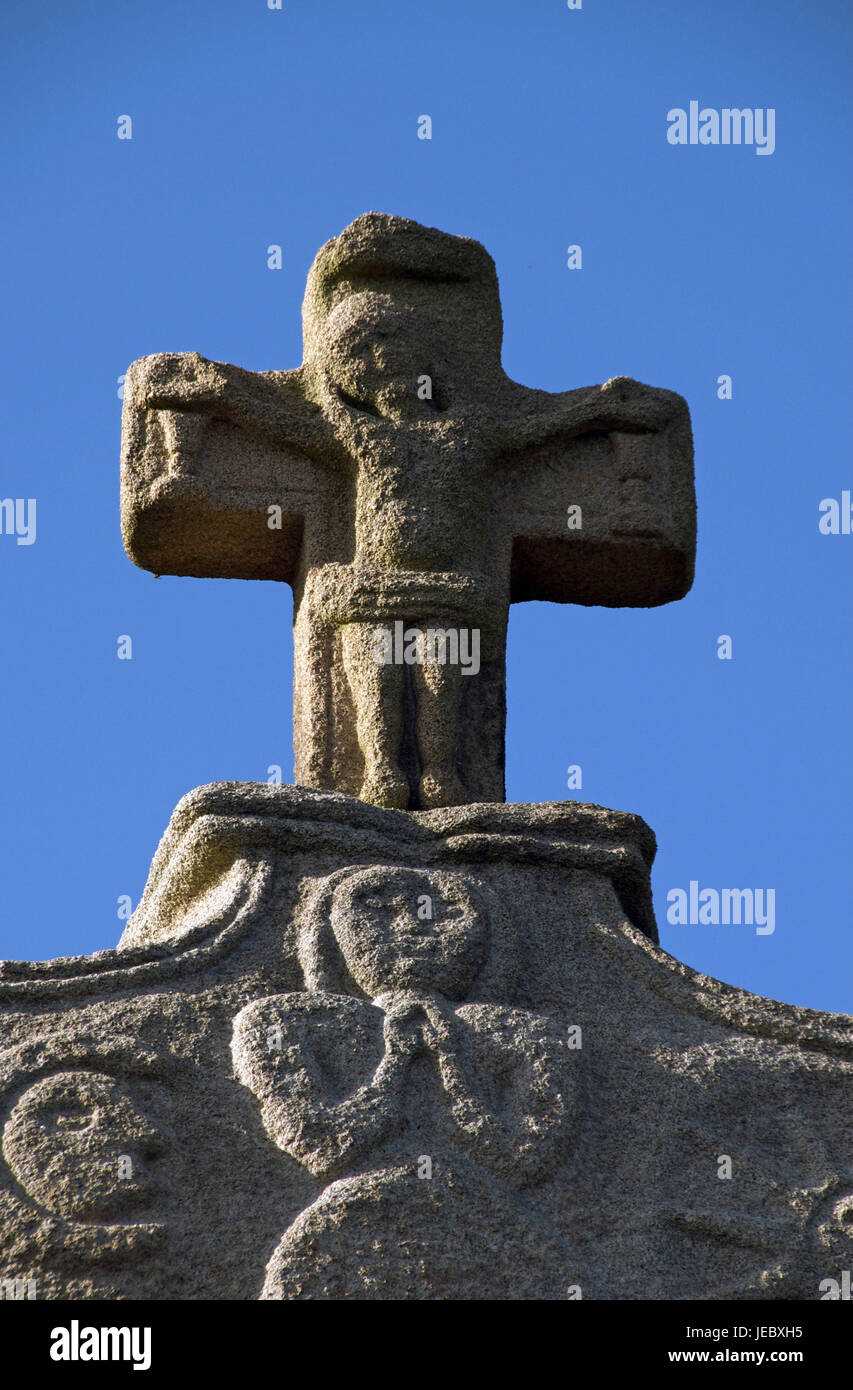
column 402, row 403
column 407, row 514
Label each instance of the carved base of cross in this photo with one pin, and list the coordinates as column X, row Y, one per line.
column 343, row 1051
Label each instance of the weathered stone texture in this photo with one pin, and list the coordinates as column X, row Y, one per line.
column 281, row 1040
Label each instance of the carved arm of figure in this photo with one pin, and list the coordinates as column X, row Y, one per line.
column 273, row 405
column 512, row 1082
column 301, row 1054
column 622, row 405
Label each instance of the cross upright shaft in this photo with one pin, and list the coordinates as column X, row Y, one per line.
column 409, row 491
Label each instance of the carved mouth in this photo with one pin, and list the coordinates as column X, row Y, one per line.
column 353, row 403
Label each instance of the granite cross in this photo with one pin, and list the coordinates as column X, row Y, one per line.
column 409, row 491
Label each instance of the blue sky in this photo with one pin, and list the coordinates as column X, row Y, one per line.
column 253, row 127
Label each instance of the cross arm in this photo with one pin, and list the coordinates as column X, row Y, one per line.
column 273, row 405
column 598, row 500
column 220, row 468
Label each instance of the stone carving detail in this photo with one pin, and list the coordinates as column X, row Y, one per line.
column 406, row 1078
column 460, row 1066
column 407, row 489
column 80, row 1176
column 81, row 1149
column 368, row 1037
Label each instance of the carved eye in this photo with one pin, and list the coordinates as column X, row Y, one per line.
column 69, row 1121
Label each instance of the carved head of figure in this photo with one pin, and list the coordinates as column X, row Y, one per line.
column 410, row 929
column 376, row 350
column 79, row 1146
column 371, row 930
column 390, row 300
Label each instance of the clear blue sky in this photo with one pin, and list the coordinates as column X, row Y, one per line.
column 253, row 127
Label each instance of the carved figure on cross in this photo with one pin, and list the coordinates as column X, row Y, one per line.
column 400, row 477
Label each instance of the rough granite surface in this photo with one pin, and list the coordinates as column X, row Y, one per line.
column 348, row 1052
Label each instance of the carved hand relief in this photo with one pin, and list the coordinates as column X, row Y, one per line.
column 382, row 1070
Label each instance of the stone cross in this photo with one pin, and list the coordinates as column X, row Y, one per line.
column 409, row 491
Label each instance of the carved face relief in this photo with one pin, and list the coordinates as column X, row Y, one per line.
column 410, row 929
column 374, row 350
column 80, row 1147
